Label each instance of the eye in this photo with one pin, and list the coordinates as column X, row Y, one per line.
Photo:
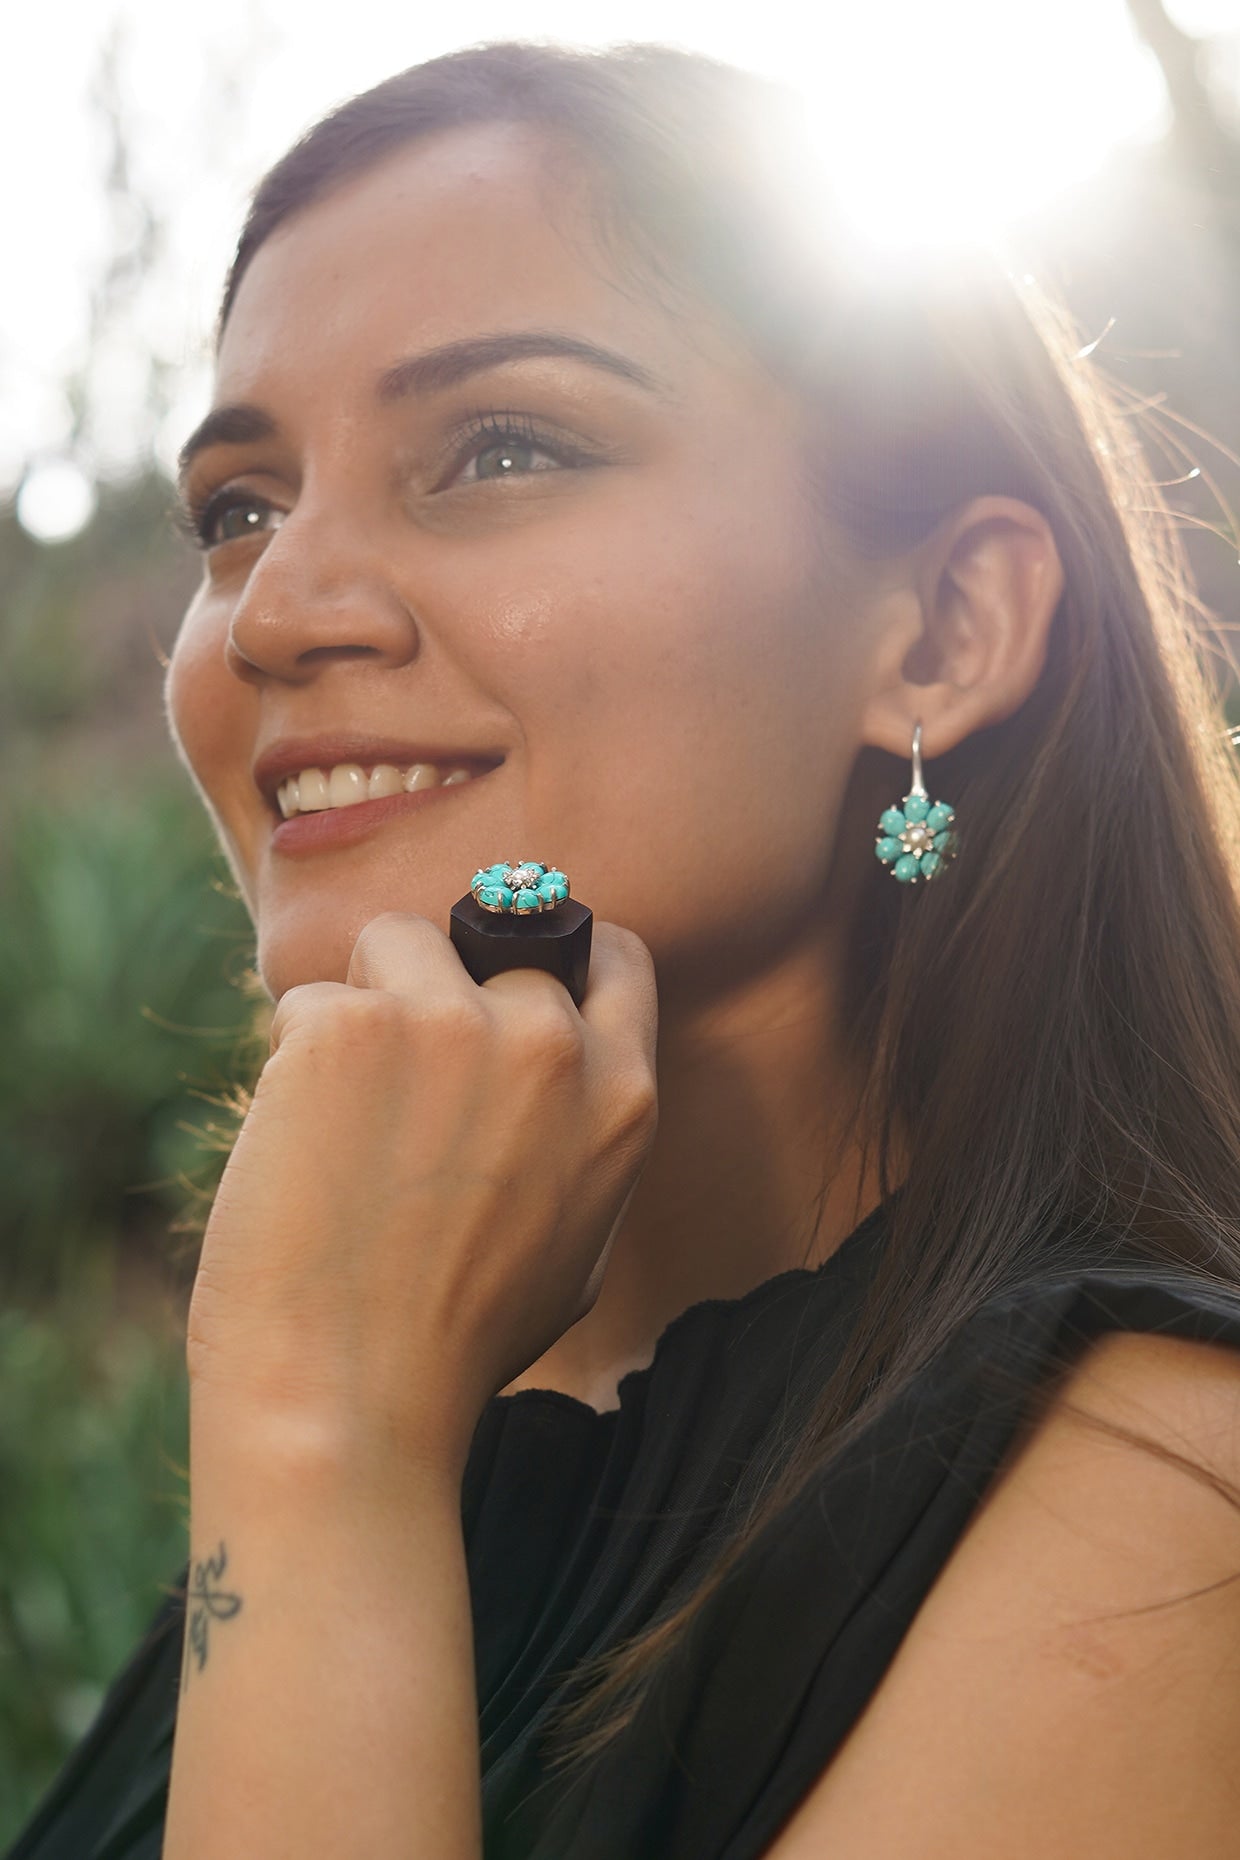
column 500, row 446
column 230, row 515
column 505, row 458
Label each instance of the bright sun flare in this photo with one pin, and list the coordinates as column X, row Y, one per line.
column 942, row 124
column 939, row 125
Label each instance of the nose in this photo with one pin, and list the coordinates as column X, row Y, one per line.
column 320, row 590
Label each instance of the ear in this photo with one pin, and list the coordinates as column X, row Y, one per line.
column 961, row 640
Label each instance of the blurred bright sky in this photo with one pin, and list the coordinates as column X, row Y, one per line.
column 941, row 120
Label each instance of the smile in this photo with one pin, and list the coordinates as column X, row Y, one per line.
column 329, row 823
column 349, row 784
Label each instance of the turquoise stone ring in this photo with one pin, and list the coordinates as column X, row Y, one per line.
column 520, row 886
column 519, row 916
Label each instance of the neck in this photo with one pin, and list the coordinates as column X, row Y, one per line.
column 752, row 1172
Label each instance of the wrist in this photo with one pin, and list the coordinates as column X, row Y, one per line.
column 281, row 1458
column 327, row 1701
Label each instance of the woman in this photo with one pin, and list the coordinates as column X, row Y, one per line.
column 816, row 1435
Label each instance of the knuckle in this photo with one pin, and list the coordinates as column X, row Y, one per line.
column 350, row 1017
column 441, row 1023
column 620, row 936
column 630, row 949
column 374, row 937
column 635, row 1104
column 556, row 1042
column 632, row 946
column 366, row 1013
column 303, row 1012
column 382, row 940
column 352, row 1020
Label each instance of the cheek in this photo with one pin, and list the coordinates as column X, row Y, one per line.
column 200, row 698
column 705, row 646
column 211, row 717
column 677, row 701
column 646, row 605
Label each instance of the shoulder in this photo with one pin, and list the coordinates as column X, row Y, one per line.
column 1159, row 1400
column 1072, row 1682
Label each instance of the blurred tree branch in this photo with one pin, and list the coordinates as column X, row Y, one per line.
column 135, row 250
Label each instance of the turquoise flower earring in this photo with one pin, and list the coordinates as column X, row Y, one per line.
column 916, row 839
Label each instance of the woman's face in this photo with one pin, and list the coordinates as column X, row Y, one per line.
column 600, row 588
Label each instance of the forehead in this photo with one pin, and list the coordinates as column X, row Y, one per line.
column 469, row 231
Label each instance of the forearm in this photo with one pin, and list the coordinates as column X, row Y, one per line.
column 333, row 1711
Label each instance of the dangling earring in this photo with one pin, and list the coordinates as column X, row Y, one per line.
column 916, row 839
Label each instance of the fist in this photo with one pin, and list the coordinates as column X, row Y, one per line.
column 425, row 1191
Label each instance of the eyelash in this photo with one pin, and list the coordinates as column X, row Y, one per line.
column 484, row 429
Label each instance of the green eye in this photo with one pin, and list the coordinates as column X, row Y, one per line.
column 506, row 457
column 506, row 444
column 233, row 514
column 239, row 520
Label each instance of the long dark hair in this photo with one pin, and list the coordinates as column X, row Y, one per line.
column 1058, row 1023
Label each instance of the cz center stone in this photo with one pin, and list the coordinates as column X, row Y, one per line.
column 917, row 837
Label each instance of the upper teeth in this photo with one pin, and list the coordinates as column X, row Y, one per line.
column 315, row 790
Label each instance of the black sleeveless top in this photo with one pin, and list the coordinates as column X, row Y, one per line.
column 579, row 1526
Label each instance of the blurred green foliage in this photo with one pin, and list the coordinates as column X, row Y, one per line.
column 121, row 952
column 128, row 1023
column 93, row 1433
column 126, row 1027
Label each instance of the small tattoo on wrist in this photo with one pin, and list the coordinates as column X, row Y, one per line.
column 206, row 1602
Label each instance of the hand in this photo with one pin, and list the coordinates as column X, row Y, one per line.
column 425, row 1191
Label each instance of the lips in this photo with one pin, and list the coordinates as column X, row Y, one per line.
column 290, row 755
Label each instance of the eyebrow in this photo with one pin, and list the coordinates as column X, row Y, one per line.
column 442, row 367
column 225, row 426
column 429, row 373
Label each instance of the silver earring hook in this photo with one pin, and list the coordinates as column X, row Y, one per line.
column 919, row 786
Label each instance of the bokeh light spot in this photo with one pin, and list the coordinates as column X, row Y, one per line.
column 56, row 501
